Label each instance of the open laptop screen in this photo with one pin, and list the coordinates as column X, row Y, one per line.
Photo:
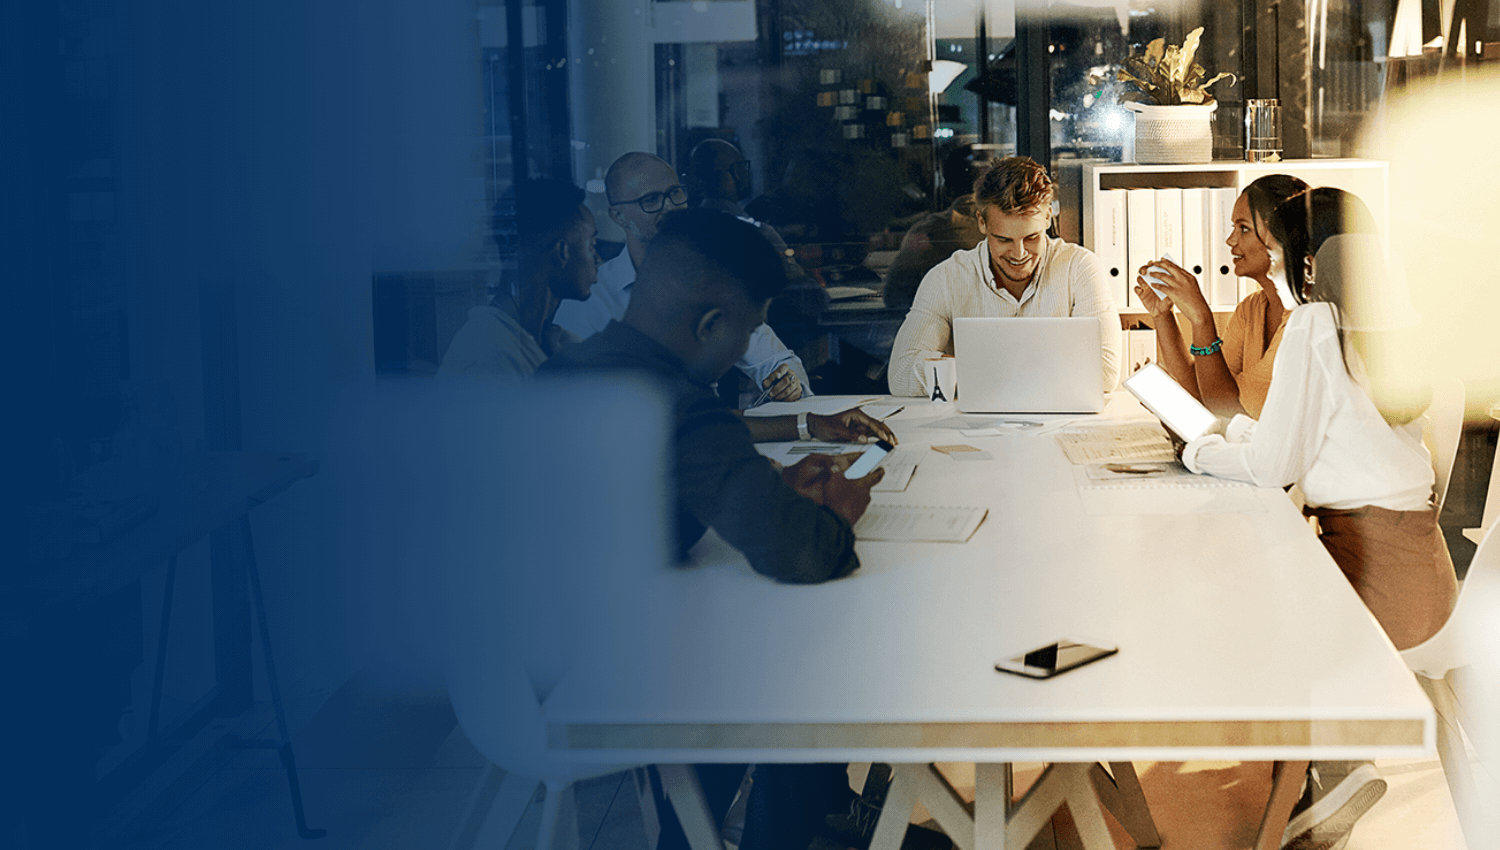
column 1029, row 365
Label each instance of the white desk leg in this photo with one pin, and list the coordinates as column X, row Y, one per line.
column 912, row 782
column 994, row 784
column 945, row 804
column 680, row 782
column 1059, row 784
column 1083, row 804
column 1121, row 794
column 1033, row 811
column 890, row 829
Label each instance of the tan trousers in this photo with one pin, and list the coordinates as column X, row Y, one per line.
column 1398, row 563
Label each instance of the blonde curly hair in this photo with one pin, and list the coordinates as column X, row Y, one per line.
column 1015, row 184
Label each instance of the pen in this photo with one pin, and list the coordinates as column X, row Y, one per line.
column 762, row 398
column 892, row 413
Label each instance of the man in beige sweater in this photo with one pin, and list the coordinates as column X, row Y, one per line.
column 1018, row 270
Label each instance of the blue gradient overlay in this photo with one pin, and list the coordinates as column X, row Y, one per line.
column 272, row 157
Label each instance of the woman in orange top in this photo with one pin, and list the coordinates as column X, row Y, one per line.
column 1229, row 375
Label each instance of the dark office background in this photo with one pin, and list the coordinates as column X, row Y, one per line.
column 200, row 197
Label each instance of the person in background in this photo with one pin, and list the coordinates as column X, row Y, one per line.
column 937, row 236
column 704, row 286
column 1341, row 420
column 1229, row 375
column 509, row 337
column 642, row 188
column 719, row 177
column 1017, row 270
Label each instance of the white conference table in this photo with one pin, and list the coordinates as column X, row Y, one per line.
column 1239, row 639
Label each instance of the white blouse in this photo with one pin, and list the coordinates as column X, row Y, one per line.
column 1320, row 430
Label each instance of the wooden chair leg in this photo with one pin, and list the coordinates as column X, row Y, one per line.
column 1286, row 787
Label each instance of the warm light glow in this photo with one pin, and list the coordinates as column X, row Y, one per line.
column 1445, row 237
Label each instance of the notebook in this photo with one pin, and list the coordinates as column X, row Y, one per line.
column 1029, row 365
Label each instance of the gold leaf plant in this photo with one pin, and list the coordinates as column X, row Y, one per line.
column 1167, row 75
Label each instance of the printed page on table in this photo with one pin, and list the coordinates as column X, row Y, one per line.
column 1133, row 441
column 824, row 405
column 1152, row 473
column 919, row 523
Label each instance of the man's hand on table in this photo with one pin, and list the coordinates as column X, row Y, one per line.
column 851, row 426
column 821, row 479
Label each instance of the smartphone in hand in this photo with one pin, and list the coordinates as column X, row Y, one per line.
column 870, row 459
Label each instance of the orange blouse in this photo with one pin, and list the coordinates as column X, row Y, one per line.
column 1248, row 361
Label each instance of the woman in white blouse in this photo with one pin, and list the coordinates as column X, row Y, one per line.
column 1342, row 420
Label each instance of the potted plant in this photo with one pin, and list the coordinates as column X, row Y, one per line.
column 1172, row 103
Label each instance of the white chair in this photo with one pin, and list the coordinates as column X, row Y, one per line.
column 1492, row 495
column 1442, row 431
column 1443, row 664
column 500, row 533
column 498, row 710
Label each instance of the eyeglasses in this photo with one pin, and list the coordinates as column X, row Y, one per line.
column 652, row 202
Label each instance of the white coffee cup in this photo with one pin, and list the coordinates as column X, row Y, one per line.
column 941, row 378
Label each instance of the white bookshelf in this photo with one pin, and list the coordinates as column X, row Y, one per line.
column 1368, row 179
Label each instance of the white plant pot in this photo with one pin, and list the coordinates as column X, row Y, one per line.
column 1166, row 135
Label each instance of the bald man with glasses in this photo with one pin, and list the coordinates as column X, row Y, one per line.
column 642, row 188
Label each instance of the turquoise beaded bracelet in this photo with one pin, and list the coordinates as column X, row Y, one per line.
column 1211, row 348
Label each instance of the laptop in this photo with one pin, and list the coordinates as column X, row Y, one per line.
column 1034, row 365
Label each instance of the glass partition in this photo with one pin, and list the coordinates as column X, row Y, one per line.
column 861, row 122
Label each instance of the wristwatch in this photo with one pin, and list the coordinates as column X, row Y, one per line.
column 802, row 431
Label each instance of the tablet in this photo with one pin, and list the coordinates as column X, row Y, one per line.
column 1173, row 405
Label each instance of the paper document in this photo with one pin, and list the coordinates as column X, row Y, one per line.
column 1133, row 441
column 899, row 467
column 975, row 423
column 824, row 448
column 919, row 523
column 844, row 293
column 963, row 452
column 1150, row 473
column 825, row 405
column 882, row 409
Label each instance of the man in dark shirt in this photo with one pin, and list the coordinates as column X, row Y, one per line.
column 703, row 288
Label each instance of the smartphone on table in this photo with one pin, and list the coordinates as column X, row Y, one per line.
column 1055, row 658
